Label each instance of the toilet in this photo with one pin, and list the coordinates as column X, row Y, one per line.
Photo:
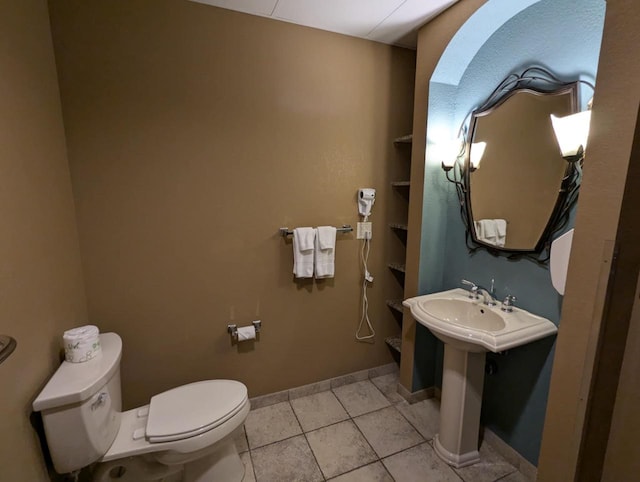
column 184, row 434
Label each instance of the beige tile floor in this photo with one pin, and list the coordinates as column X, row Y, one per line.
column 360, row 432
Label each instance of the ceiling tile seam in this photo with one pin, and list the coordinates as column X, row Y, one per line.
column 274, row 8
column 385, row 18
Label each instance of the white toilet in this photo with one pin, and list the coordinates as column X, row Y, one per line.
column 184, row 434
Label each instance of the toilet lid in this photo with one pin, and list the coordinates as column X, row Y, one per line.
column 192, row 409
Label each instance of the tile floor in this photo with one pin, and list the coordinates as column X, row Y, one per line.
column 360, row 432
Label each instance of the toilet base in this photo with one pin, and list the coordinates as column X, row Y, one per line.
column 134, row 469
column 223, row 463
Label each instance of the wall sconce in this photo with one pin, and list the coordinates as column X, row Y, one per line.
column 448, row 163
column 452, row 152
column 572, row 133
column 448, row 153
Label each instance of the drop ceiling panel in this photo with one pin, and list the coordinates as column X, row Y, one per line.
column 410, row 16
column 388, row 21
column 353, row 17
column 254, row 7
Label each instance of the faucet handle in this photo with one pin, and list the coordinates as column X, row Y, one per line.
column 473, row 290
column 508, row 303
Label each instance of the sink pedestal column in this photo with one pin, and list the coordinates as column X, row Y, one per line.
column 461, row 401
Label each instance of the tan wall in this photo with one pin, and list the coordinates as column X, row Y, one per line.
column 615, row 324
column 614, row 119
column 433, row 39
column 194, row 133
column 41, row 291
column 622, row 460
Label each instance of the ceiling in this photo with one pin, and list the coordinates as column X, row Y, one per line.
column 394, row 22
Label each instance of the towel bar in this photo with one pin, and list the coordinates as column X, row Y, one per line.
column 346, row 228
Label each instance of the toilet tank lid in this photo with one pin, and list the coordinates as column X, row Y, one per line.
column 76, row 382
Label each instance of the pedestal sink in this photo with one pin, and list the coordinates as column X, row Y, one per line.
column 469, row 329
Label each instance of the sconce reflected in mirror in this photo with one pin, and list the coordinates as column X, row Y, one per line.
column 475, row 156
column 572, row 133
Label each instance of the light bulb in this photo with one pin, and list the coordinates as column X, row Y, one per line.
column 446, row 152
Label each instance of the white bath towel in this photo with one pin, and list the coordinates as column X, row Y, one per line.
column 303, row 248
column 325, row 252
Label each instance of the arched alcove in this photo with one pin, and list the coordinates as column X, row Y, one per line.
column 502, row 37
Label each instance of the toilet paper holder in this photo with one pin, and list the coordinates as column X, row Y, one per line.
column 233, row 329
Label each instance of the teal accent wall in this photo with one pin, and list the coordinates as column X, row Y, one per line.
column 563, row 36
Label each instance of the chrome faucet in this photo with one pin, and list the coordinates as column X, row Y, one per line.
column 475, row 291
column 488, row 297
column 507, row 304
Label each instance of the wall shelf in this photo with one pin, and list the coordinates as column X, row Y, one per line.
column 395, row 305
column 400, row 207
column 395, row 342
column 399, row 226
column 408, row 139
column 401, row 267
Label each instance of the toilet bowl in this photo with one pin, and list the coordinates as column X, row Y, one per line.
column 186, row 432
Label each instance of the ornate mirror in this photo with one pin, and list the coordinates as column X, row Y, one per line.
column 521, row 191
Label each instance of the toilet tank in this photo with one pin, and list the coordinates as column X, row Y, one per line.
column 81, row 406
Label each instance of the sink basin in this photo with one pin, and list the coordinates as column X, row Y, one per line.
column 462, row 313
column 473, row 326
column 469, row 329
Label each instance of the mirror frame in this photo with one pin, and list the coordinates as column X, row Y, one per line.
column 537, row 81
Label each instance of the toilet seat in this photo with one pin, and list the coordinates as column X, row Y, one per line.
column 192, row 409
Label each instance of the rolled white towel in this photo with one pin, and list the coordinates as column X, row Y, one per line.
column 81, row 344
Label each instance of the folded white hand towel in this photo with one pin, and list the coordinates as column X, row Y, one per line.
column 305, row 238
column 489, row 229
column 487, row 232
column 325, row 252
column 326, row 236
column 303, row 248
column 501, row 231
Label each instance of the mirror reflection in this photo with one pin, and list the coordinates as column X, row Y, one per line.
column 514, row 192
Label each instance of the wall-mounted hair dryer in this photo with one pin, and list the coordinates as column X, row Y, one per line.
column 366, row 198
